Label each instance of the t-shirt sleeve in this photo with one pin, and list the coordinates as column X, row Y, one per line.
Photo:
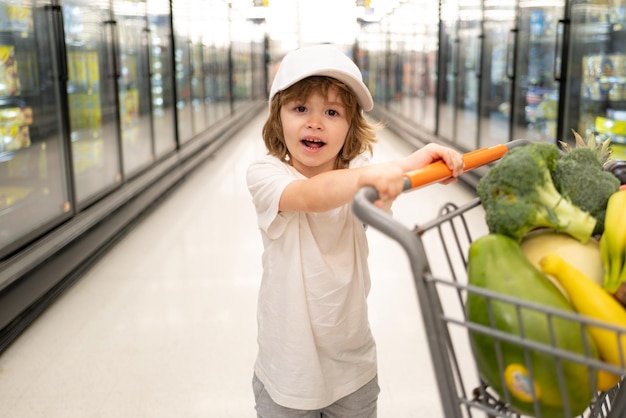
column 267, row 179
column 360, row 160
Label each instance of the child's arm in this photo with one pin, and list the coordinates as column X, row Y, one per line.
column 433, row 152
column 335, row 188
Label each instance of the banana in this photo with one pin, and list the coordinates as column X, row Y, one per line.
column 591, row 300
column 613, row 242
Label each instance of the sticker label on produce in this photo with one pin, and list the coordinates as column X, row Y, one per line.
column 519, row 383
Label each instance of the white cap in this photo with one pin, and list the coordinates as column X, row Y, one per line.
column 321, row 60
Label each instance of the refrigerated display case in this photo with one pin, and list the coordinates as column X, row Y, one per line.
column 241, row 72
column 470, row 48
column 422, row 58
column 211, row 83
column 223, row 81
column 460, row 71
column 448, row 71
column 161, row 77
column 370, row 58
column 34, row 184
column 181, row 15
column 395, row 68
column 496, row 73
column 596, row 92
column 216, row 66
column 64, row 195
column 91, row 72
column 133, row 39
column 538, row 71
column 197, row 88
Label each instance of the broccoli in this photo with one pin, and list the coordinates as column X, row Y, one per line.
column 518, row 196
column 579, row 177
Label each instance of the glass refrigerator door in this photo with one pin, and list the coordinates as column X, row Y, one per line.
column 394, row 75
column 134, row 85
column 448, row 73
column 223, row 82
column 210, row 84
column 538, row 70
column 596, row 91
column 470, row 69
column 161, row 77
column 427, row 81
column 495, row 103
column 182, row 66
column 91, row 98
column 34, row 192
column 197, row 88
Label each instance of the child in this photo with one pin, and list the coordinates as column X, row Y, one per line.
column 317, row 356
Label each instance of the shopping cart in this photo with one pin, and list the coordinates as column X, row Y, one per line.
column 437, row 252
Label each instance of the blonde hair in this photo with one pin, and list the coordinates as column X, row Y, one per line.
column 361, row 134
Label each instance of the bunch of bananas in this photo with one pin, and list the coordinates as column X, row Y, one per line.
column 613, row 244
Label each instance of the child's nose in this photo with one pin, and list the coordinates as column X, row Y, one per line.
column 314, row 122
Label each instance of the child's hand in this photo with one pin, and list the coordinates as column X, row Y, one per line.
column 434, row 152
column 387, row 179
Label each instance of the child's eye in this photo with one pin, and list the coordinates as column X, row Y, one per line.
column 333, row 112
column 300, row 109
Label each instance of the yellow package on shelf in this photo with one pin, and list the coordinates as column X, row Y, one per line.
column 610, row 126
column 9, row 80
column 618, row 152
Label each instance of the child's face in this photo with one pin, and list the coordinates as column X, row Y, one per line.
column 315, row 131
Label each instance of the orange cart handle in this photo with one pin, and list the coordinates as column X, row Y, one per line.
column 439, row 171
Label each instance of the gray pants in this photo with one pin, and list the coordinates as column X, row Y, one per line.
column 360, row 404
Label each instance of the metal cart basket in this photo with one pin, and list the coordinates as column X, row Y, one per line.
column 437, row 253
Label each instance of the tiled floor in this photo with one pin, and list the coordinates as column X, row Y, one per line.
column 164, row 325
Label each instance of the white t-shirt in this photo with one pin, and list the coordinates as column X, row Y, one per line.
column 315, row 343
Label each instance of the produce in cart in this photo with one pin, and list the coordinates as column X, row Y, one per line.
column 531, row 377
column 613, row 246
column 551, row 208
column 579, row 176
column 519, row 196
column 538, row 351
column 585, row 257
column 590, row 299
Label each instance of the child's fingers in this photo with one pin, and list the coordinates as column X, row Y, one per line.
column 449, row 180
column 454, row 161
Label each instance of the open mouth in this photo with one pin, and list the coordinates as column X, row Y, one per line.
column 313, row 143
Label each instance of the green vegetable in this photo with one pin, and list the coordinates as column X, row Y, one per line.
column 528, row 377
column 579, row 177
column 518, row 196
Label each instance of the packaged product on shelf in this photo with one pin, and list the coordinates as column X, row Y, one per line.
column 9, row 80
column 93, row 115
column 77, row 111
column 592, row 66
column 15, row 17
column 28, row 77
column 537, row 23
column 614, row 127
column 93, row 70
column 618, row 13
column 14, row 130
column 604, row 77
column 77, row 70
column 617, row 93
column 597, row 12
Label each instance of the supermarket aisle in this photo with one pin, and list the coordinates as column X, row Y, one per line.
column 164, row 325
